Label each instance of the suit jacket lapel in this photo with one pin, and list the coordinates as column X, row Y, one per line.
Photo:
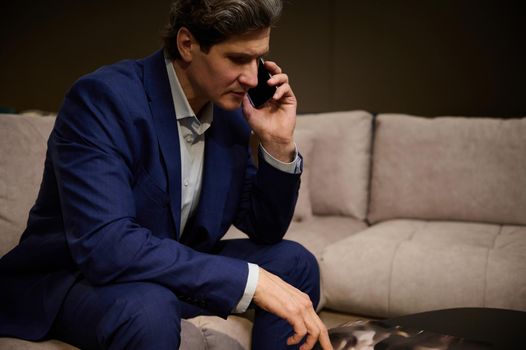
column 216, row 182
column 205, row 229
column 157, row 87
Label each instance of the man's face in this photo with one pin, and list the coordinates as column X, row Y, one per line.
column 229, row 69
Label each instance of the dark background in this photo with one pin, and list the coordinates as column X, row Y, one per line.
column 425, row 57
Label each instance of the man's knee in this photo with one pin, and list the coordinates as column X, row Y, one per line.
column 297, row 258
column 298, row 266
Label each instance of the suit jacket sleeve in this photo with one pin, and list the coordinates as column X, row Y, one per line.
column 268, row 202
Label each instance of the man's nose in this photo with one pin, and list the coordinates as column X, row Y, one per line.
column 249, row 77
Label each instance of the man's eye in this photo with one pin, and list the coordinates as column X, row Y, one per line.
column 240, row 60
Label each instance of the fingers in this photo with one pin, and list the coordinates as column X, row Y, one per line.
column 282, row 90
column 300, row 330
column 280, row 80
column 314, row 330
column 272, row 67
column 278, row 77
column 313, row 334
column 247, row 107
column 276, row 296
column 323, row 337
column 308, row 324
column 300, row 321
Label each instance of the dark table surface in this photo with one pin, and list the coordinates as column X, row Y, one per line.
column 504, row 329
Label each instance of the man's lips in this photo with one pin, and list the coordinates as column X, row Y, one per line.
column 239, row 93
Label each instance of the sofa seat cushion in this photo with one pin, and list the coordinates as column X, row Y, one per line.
column 322, row 231
column 198, row 333
column 234, row 333
column 19, row 344
column 316, row 233
column 406, row 266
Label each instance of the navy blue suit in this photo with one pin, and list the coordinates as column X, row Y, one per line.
column 108, row 210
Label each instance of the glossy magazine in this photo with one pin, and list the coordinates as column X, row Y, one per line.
column 376, row 335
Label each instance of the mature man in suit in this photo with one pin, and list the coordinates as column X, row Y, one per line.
column 147, row 167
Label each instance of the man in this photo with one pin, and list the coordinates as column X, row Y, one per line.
column 147, row 167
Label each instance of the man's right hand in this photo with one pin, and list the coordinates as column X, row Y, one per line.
column 283, row 300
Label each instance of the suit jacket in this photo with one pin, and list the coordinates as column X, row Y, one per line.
column 109, row 204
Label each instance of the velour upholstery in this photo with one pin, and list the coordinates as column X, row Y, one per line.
column 339, row 176
column 211, row 336
column 405, row 266
column 219, row 334
column 305, row 143
column 449, row 168
column 23, row 146
column 321, row 231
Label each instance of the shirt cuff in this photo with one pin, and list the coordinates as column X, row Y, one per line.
column 293, row 167
column 250, row 289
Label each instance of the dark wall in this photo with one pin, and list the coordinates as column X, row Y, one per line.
column 427, row 57
column 46, row 45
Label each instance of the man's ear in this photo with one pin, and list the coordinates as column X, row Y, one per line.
column 186, row 44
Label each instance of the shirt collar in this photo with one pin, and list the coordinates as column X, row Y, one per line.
column 182, row 106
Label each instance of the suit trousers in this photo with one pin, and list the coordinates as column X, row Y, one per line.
column 145, row 315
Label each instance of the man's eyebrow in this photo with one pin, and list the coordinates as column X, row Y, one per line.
column 247, row 55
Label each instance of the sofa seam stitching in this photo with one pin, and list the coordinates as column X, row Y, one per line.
column 392, row 267
column 389, row 295
column 484, row 296
column 484, row 291
column 202, row 330
column 501, row 227
column 373, row 132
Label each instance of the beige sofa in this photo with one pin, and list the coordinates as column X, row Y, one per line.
column 405, row 214
column 445, row 202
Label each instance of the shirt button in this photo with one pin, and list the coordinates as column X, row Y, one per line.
column 189, row 138
column 186, row 183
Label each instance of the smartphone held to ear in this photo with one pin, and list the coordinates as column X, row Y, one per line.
column 262, row 92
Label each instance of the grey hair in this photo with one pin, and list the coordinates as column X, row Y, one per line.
column 214, row 21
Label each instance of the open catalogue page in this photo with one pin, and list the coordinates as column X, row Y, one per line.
column 377, row 335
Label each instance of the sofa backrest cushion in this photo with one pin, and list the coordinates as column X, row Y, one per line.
column 451, row 168
column 23, row 143
column 340, row 162
column 305, row 140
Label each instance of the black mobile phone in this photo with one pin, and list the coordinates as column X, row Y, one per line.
column 262, row 92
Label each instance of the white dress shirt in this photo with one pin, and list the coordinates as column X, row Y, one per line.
column 192, row 144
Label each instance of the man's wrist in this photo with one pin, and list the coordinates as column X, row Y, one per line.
column 293, row 167
column 283, row 152
column 250, row 289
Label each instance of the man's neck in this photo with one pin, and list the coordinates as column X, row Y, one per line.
column 195, row 102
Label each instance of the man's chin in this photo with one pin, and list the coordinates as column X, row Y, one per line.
column 229, row 103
